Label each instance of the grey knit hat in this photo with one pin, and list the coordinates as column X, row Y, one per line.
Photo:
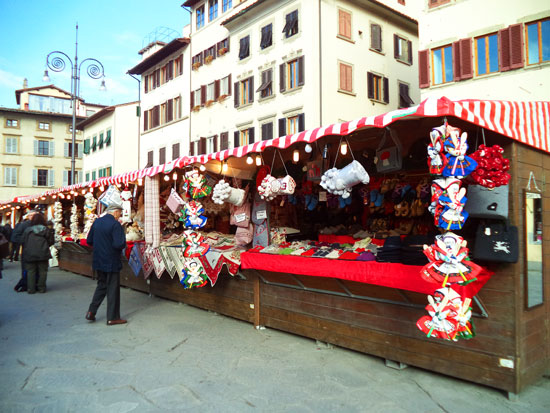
column 113, row 207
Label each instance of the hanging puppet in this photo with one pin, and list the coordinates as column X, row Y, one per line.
column 192, row 215
column 449, row 261
column 437, row 160
column 194, row 245
column 193, row 274
column 456, row 145
column 447, row 203
column 195, row 184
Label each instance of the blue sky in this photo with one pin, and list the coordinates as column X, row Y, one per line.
column 112, row 31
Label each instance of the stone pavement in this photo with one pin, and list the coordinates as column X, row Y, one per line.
column 173, row 357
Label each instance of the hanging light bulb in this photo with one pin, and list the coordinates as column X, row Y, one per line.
column 249, row 160
column 295, row 156
column 175, row 176
column 258, row 161
column 140, row 181
column 225, row 167
column 202, row 168
column 344, row 148
column 83, row 191
column 68, row 197
column 102, row 188
column 54, row 196
column 166, row 177
column 308, row 148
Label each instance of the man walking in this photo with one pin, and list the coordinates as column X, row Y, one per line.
column 108, row 239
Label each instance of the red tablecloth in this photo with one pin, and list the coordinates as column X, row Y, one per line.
column 400, row 276
column 346, row 239
column 129, row 246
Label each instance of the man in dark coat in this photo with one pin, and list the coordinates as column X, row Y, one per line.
column 108, row 239
column 17, row 240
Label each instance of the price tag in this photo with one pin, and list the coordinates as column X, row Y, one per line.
column 240, row 217
column 322, row 196
column 262, row 214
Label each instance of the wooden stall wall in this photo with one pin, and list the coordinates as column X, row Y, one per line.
column 533, row 335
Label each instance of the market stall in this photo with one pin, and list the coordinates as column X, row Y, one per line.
column 374, row 235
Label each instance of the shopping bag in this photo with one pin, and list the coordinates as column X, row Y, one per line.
column 496, row 241
column 389, row 159
column 487, row 203
column 175, row 202
column 240, row 215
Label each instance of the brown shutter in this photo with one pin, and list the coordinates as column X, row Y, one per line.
column 282, row 126
column 342, row 76
column 370, row 85
column 347, row 22
column 236, row 94
column 216, row 89
column 301, row 122
column 181, row 64
column 395, row 46
column 192, row 99
column 386, row 89
column 424, row 68
column 251, row 89
column 224, row 144
column 149, row 158
column 504, row 49
column 175, row 151
column 250, row 135
column 516, row 46
column 457, row 73
column 282, row 77
column 466, row 66
column 410, row 49
column 236, row 139
column 146, row 120
column 191, row 148
column 170, row 70
column 203, row 95
column 301, row 71
column 229, row 85
column 169, row 110
column 376, row 37
column 146, row 84
column 162, row 156
column 202, row 146
column 215, row 143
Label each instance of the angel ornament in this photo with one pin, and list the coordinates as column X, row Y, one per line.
column 437, row 160
column 459, row 165
column 449, row 261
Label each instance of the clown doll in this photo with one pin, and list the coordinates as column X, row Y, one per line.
column 458, row 165
column 452, row 215
column 436, row 157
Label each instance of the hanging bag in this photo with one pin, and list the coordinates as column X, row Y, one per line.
column 175, row 202
column 496, row 241
column 487, row 203
column 389, row 159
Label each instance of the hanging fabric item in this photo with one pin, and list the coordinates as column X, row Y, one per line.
column 340, row 181
column 456, row 145
column 110, row 196
column 492, row 167
column 388, row 159
column 175, row 202
column 126, row 197
column 223, row 192
column 195, row 184
column 158, row 263
column 449, row 317
column 146, row 259
column 449, row 261
column 437, row 160
column 152, row 207
column 75, row 217
column 272, row 187
column 260, row 219
column 134, row 261
column 193, row 274
column 193, row 244
column 192, row 215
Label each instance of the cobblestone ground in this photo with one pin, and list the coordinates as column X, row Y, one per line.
column 173, row 357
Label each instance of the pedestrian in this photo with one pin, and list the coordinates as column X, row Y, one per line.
column 17, row 240
column 37, row 239
column 108, row 240
column 4, row 247
column 7, row 230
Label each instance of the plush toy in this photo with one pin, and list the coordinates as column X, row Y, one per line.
column 492, row 167
column 449, row 261
column 458, row 163
column 449, row 317
column 340, row 181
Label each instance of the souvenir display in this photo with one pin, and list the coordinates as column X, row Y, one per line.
column 456, row 146
column 447, row 206
column 449, row 261
column 193, row 274
column 110, row 196
column 497, row 241
column 196, row 185
column 134, row 261
column 194, row 245
column 90, row 204
column 489, row 203
column 340, row 181
column 272, row 187
column 192, row 215
column 57, row 220
column 437, row 160
column 492, row 167
column 75, row 217
column 389, row 159
column 223, row 192
column 175, row 202
column 449, row 316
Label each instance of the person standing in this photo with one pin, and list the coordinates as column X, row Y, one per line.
column 37, row 239
column 7, row 230
column 17, row 242
column 108, row 239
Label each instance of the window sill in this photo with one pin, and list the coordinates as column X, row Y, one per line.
column 379, row 101
column 266, row 49
column 245, row 106
column 347, row 92
column 267, row 98
column 347, row 39
column 533, row 66
column 245, row 59
column 291, row 37
column 380, row 52
column 291, row 91
column 404, row 62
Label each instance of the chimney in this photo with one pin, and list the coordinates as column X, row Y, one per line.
column 25, row 83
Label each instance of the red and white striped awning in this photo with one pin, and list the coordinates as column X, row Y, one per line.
column 525, row 122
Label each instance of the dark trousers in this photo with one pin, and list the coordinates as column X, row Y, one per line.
column 15, row 251
column 108, row 284
column 37, row 272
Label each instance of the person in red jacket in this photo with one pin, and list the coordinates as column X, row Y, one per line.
column 108, row 240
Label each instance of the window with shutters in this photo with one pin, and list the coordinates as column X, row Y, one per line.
column 266, row 88
column 200, row 17
column 210, row 93
column 87, row 146
column 87, row 176
column 376, row 37
column 41, row 177
column 267, row 131
column 11, row 123
column 210, row 54
column 437, row 3
column 108, row 137
column 442, row 65
column 344, row 24
column 163, row 75
column 405, row 100
column 197, row 99
column 211, row 144
column 178, row 66
column 223, row 46
column 212, row 9
column 225, row 85
column 537, row 41
column 244, row 136
column 345, row 83
column 149, row 159
column 12, row 144
column 69, row 150
column 10, row 175
column 267, row 36
column 94, row 175
column 43, row 148
column 377, row 87
column 101, row 140
column 162, row 156
column 196, row 61
column 244, row 47
column 486, row 50
column 292, row 125
column 176, row 108
column 246, row 91
column 291, row 24
column 175, row 151
column 402, row 49
column 224, row 141
column 94, row 143
column 293, row 71
column 44, row 126
column 226, row 5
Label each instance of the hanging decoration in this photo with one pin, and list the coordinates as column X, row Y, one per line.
column 110, row 196
column 195, row 184
column 492, row 167
column 449, row 316
column 75, row 216
column 57, row 219
column 456, row 146
column 223, row 192
column 126, row 197
column 437, row 160
column 194, row 245
column 192, row 215
column 272, row 187
column 90, row 205
column 193, row 274
column 340, row 181
column 449, row 261
column 447, row 203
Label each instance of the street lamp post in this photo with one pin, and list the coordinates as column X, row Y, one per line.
column 56, row 62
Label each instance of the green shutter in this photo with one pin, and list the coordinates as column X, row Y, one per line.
column 108, row 138
column 93, row 175
column 94, row 143
column 87, row 146
column 100, row 144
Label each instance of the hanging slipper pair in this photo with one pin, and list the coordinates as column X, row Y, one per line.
column 376, row 200
column 342, row 202
column 311, row 201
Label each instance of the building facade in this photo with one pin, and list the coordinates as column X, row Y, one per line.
column 164, row 125
column 492, row 52
column 111, row 141
column 263, row 69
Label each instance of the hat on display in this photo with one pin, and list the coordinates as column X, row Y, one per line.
column 113, row 207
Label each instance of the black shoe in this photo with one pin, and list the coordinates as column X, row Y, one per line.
column 90, row 316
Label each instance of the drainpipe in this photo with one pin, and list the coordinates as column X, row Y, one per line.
column 320, row 71
column 138, row 114
column 190, row 71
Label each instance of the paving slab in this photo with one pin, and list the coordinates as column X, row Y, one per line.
column 174, row 357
